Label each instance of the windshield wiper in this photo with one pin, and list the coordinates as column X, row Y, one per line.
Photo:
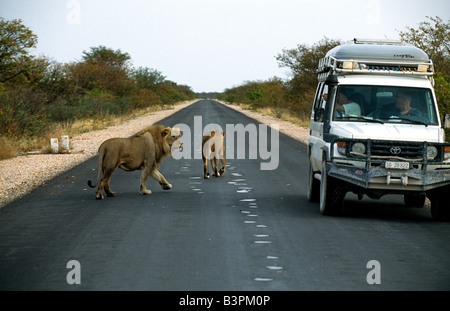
column 409, row 120
column 360, row 118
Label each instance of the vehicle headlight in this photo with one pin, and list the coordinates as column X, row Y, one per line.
column 359, row 148
column 432, row 152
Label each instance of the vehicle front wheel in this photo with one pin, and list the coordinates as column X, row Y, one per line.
column 440, row 210
column 415, row 200
column 313, row 192
column 332, row 194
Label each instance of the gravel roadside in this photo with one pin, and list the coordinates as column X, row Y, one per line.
column 20, row 175
column 297, row 132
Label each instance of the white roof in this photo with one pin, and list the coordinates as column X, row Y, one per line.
column 375, row 57
column 379, row 51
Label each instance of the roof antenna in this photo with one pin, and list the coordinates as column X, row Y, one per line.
column 355, row 40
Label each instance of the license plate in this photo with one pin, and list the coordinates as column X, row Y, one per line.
column 397, row 165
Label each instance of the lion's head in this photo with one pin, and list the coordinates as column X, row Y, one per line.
column 172, row 137
column 166, row 137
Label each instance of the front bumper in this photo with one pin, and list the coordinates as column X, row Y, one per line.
column 369, row 171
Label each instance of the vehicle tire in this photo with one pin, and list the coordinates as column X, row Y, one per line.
column 415, row 200
column 332, row 193
column 313, row 192
column 440, row 210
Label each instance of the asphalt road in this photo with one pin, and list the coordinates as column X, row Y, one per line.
column 248, row 230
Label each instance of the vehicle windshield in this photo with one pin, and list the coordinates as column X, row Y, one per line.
column 385, row 104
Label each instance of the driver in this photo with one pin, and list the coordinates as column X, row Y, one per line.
column 403, row 105
column 401, row 109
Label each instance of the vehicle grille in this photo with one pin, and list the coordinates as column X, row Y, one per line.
column 407, row 150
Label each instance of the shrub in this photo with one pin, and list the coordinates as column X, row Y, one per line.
column 22, row 113
column 7, row 150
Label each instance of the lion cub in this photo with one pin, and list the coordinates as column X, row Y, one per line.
column 213, row 149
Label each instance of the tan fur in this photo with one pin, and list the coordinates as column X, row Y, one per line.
column 143, row 152
column 213, row 149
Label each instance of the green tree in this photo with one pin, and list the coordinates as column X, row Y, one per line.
column 22, row 102
column 104, row 69
column 102, row 55
column 303, row 61
column 37, row 91
column 15, row 41
column 433, row 36
column 148, row 78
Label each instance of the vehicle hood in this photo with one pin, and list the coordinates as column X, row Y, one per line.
column 374, row 131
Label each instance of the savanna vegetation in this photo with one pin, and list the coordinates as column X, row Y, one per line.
column 40, row 96
column 294, row 96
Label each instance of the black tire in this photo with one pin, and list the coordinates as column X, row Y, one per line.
column 332, row 194
column 415, row 200
column 313, row 191
column 440, row 210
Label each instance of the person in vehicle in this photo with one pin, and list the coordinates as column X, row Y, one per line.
column 402, row 107
column 345, row 106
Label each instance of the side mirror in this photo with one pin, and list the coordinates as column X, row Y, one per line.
column 447, row 121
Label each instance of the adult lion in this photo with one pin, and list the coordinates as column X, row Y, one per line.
column 143, row 152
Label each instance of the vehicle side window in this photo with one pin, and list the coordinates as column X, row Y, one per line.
column 319, row 101
column 318, row 96
column 324, row 96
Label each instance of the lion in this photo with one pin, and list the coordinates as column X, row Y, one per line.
column 144, row 151
column 213, row 147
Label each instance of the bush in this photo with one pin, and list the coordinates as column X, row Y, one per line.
column 36, row 92
column 145, row 98
column 7, row 150
column 22, row 113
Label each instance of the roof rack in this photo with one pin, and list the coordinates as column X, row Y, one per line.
column 377, row 41
column 380, row 57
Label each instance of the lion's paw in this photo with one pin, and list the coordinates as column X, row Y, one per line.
column 146, row 192
column 166, row 186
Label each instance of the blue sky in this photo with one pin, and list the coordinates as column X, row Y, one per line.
column 210, row 45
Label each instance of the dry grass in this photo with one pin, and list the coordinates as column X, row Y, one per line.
column 7, row 148
column 282, row 114
column 10, row 148
column 81, row 126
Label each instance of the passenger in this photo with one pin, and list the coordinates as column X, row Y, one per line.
column 344, row 106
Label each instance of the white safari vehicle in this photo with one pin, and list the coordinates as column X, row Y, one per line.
column 376, row 130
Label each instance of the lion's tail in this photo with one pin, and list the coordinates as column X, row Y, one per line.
column 101, row 154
